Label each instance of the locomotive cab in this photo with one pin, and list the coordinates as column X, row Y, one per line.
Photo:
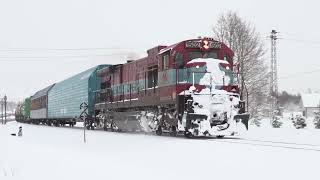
column 203, row 71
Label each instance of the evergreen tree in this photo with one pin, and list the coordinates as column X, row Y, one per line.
column 317, row 120
column 256, row 120
column 276, row 123
column 299, row 122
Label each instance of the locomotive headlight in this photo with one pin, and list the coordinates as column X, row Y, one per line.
column 227, row 67
column 197, row 66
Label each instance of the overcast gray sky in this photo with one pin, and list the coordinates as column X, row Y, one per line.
column 41, row 26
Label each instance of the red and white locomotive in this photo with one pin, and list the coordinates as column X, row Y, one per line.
column 187, row 87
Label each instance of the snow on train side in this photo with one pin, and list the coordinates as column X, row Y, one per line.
column 210, row 110
column 188, row 87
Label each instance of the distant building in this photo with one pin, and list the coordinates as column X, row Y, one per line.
column 311, row 104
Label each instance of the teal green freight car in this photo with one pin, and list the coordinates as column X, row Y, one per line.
column 65, row 97
column 26, row 107
column 22, row 113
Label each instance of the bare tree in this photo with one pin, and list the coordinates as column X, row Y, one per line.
column 249, row 50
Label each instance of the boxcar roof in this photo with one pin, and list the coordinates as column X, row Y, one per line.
column 80, row 77
column 42, row 92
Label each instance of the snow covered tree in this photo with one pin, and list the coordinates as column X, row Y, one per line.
column 317, row 120
column 299, row 122
column 276, row 123
column 249, row 50
column 256, row 120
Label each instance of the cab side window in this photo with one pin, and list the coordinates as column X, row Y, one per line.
column 178, row 60
column 152, row 76
column 226, row 57
column 165, row 61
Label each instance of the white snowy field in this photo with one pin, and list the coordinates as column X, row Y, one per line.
column 53, row 153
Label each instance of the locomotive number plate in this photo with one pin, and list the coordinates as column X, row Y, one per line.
column 199, row 44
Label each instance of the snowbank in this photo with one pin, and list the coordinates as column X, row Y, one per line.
column 53, row 153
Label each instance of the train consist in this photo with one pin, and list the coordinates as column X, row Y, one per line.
column 58, row 104
column 189, row 87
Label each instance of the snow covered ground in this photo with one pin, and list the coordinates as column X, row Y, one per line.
column 59, row 153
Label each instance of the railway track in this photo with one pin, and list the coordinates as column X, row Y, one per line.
column 233, row 140
column 269, row 143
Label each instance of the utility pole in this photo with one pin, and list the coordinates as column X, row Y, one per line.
column 5, row 109
column 1, row 101
column 274, row 105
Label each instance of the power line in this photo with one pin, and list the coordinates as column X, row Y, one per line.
column 58, row 49
column 38, row 58
column 299, row 40
column 299, row 73
column 286, row 36
column 302, row 40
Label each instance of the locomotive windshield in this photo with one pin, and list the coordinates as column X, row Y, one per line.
column 199, row 54
column 201, row 77
column 215, row 75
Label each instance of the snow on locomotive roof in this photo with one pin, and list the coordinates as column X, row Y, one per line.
column 168, row 48
column 210, row 60
column 195, row 43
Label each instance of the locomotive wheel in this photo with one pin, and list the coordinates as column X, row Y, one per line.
column 105, row 128
column 159, row 131
column 188, row 134
column 220, row 136
column 173, row 131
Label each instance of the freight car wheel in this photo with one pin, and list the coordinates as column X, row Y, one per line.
column 159, row 131
column 114, row 128
column 188, row 134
